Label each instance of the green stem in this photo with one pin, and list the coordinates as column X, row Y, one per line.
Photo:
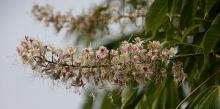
column 188, row 55
column 193, row 45
column 209, row 78
column 196, row 18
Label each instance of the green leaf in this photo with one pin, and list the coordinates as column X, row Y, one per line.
column 209, row 41
column 116, row 97
column 208, row 98
column 173, row 7
column 189, row 30
column 196, row 98
column 209, row 5
column 106, row 102
column 188, row 13
column 212, row 35
column 155, row 16
column 131, row 97
column 170, row 3
column 88, row 101
column 216, row 101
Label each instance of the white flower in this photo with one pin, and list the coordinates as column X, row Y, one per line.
column 136, row 59
column 153, row 54
column 102, row 51
column 165, row 55
column 178, row 74
column 125, row 57
column 57, row 51
column 126, row 47
column 115, row 60
column 51, row 48
column 82, row 59
column 98, row 57
column 32, row 53
column 87, row 52
column 171, row 52
column 114, row 52
column 154, row 45
column 138, row 40
column 20, row 50
column 71, row 50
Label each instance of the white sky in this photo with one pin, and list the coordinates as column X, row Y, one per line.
column 19, row 88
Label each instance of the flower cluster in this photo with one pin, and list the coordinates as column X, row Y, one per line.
column 93, row 23
column 66, row 20
column 129, row 62
column 178, row 73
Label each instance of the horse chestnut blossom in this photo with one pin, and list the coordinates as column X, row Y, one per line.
column 130, row 62
column 153, row 49
column 178, row 72
column 101, row 53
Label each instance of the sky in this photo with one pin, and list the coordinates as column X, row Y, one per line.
column 20, row 87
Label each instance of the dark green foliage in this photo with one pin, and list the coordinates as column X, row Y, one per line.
column 187, row 14
column 194, row 27
column 155, row 15
column 212, row 35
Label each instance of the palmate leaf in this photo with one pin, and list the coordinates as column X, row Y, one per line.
column 163, row 95
column 155, row 16
column 159, row 97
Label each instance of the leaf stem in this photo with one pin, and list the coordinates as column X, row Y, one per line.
column 193, row 45
column 187, row 55
column 209, row 78
column 196, row 18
